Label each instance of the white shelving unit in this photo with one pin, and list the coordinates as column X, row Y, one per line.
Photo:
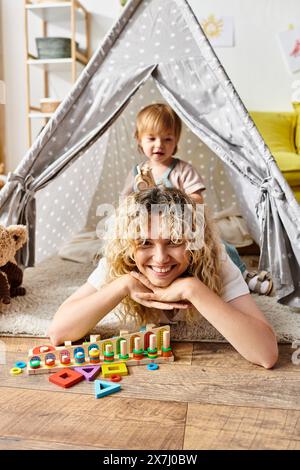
column 53, row 12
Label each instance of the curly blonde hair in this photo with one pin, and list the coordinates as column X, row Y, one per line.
column 132, row 218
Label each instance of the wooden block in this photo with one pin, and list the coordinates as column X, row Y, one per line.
column 166, row 339
column 153, row 342
column 89, row 372
column 103, row 388
column 124, row 332
column 44, row 348
column 112, row 369
column 95, row 338
column 66, row 378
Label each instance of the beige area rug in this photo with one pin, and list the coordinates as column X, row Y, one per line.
column 51, row 282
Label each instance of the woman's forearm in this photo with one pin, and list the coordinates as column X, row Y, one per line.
column 77, row 317
column 251, row 337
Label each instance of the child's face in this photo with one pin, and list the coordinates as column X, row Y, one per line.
column 158, row 147
column 161, row 261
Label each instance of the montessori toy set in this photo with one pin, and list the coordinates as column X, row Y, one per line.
column 70, row 364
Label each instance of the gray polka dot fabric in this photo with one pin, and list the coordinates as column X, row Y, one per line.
column 156, row 51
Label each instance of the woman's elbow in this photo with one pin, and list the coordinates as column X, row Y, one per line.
column 269, row 363
column 271, row 359
column 56, row 338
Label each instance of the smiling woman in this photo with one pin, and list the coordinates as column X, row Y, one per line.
column 161, row 234
column 149, row 274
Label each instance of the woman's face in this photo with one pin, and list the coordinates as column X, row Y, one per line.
column 161, row 261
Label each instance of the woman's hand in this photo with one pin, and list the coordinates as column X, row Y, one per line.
column 137, row 288
column 174, row 293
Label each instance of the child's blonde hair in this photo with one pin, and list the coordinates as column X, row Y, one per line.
column 158, row 118
column 120, row 252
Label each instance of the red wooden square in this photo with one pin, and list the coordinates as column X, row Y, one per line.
column 66, row 378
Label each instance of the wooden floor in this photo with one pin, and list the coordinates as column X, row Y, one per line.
column 209, row 398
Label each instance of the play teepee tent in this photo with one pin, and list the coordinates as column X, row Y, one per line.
column 156, row 51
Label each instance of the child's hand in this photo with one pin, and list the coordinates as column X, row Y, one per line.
column 173, row 294
column 137, row 288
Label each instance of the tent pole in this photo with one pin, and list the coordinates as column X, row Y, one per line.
column 73, row 42
column 27, row 72
column 46, row 76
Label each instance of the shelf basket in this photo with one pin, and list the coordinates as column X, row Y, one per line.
column 54, row 48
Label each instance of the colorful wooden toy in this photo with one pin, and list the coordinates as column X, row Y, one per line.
column 20, row 364
column 109, row 355
column 15, row 371
column 111, row 369
column 150, row 344
column 152, row 366
column 34, row 363
column 89, row 372
column 123, row 350
column 152, row 350
column 66, row 378
column 166, row 349
column 138, row 352
column 103, row 388
column 115, row 378
column 42, row 349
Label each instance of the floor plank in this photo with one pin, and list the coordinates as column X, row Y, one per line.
column 77, row 420
column 234, row 387
column 21, row 344
column 224, row 356
column 183, row 352
column 241, row 428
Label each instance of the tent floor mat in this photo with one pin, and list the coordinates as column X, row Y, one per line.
column 52, row 281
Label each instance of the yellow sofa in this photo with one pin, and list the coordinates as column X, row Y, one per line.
column 281, row 132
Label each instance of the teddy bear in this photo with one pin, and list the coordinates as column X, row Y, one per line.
column 11, row 276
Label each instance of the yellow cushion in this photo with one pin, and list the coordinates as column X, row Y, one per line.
column 277, row 129
column 297, row 130
column 281, row 132
column 297, row 193
column 288, row 162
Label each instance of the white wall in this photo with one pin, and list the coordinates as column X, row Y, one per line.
column 255, row 64
column 12, row 32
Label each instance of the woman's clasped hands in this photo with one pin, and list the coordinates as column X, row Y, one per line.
column 165, row 298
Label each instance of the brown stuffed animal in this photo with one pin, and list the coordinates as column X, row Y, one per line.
column 11, row 276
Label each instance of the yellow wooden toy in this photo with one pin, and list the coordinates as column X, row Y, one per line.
column 111, row 369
